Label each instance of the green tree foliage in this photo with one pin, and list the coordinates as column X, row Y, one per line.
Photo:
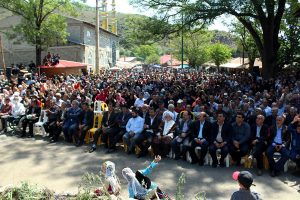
column 152, row 59
column 195, row 47
column 41, row 24
column 289, row 52
column 245, row 42
column 145, row 51
column 220, row 53
column 267, row 13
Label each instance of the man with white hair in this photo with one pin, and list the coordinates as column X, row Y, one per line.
column 171, row 108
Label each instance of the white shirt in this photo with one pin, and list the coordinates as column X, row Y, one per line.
column 17, row 109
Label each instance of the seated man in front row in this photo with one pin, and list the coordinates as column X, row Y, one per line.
column 71, row 122
column 109, row 126
column 32, row 116
column 280, row 139
column 295, row 132
column 240, row 136
column 220, row 139
column 134, row 128
column 151, row 126
column 200, row 133
column 182, row 135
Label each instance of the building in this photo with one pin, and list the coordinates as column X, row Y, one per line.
column 80, row 46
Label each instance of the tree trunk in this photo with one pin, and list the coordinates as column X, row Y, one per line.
column 251, row 64
column 38, row 54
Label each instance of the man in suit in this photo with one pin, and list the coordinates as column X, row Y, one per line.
column 280, row 141
column 122, row 120
column 199, row 134
column 219, row 139
column 32, row 116
column 61, row 116
column 151, row 126
column 181, row 136
column 109, row 124
column 259, row 141
column 240, row 136
column 71, row 122
column 86, row 123
column 51, row 113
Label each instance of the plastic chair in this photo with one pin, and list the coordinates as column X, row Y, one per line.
column 99, row 107
column 218, row 152
column 97, row 124
column 39, row 126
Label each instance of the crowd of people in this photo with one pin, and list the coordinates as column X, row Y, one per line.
column 51, row 59
column 199, row 112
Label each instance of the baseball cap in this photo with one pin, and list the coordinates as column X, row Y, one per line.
column 244, row 177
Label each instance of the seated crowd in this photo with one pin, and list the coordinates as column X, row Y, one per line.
column 196, row 114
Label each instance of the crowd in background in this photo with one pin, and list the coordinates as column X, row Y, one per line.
column 234, row 113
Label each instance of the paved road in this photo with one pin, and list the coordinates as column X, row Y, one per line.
column 60, row 167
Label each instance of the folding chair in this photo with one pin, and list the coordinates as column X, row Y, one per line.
column 97, row 124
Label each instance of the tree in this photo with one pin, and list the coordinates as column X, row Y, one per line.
column 289, row 52
column 144, row 51
column 266, row 13
column 195, row 47
column 41, row 24
column 220, row 53
column 247, row 43
column 152, row 59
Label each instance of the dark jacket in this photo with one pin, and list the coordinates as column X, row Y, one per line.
column 155, row 124
column 285, row 135
column 195, row 127
column 111, row 121
column 122, row 119
column 263, row 132
column 73, row 116
column 180, row 125
column 225, row 132
column 35, row 110
column 89, row 118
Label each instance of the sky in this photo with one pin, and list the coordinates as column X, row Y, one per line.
column 124, row 7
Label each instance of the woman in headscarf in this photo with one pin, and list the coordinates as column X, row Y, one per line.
column 140, row 186
column 111, row 182
column 161, row 144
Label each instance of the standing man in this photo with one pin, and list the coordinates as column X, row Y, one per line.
column 220, row 139
column 199, row 134
column 280, row 139
column 240, row 137
column 259, row 141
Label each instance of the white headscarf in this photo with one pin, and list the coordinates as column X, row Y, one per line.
column 138, row 190
column 110, row 175
column 168, row 124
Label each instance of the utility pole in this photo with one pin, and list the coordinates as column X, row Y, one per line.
column 97, row 37
column 2, row 53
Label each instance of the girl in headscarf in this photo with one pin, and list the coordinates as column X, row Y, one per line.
column 112, row 183
column 141, row 187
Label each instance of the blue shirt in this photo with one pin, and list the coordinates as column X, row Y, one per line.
column 200, row 130
column 278, row 138
column 258, row 128
column 135, row 124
